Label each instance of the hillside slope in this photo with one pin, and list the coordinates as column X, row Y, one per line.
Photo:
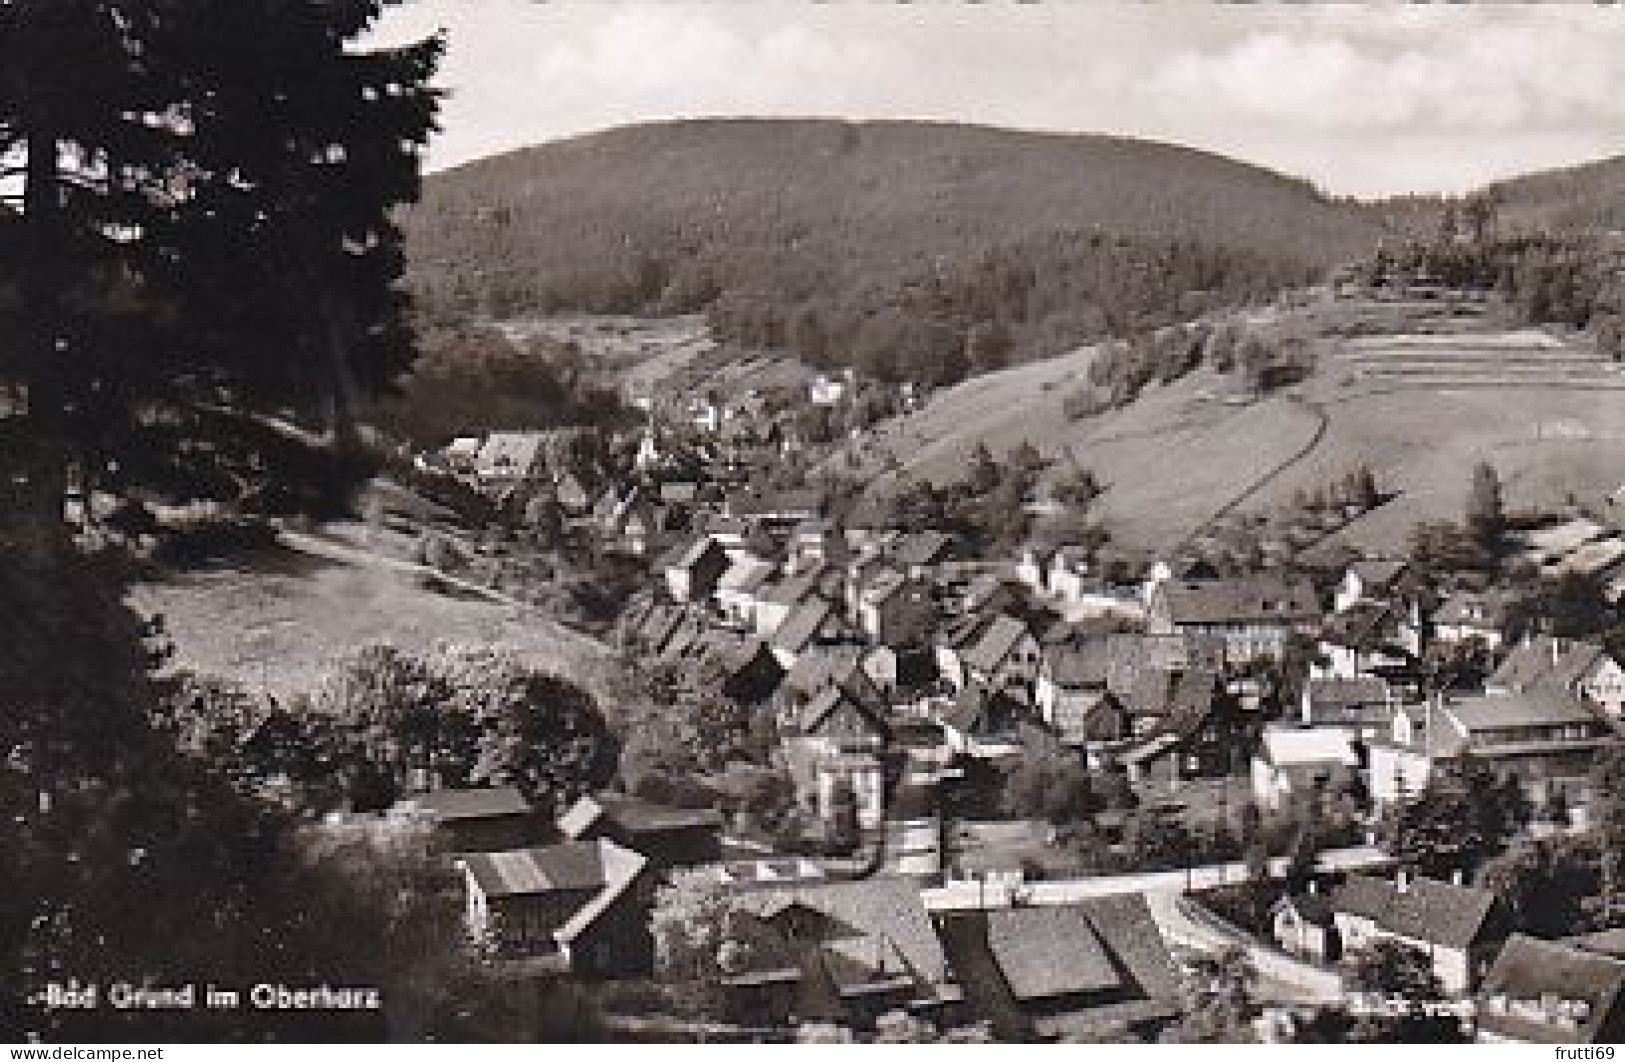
column 1587, row 196
column 1419, row 409
column 899, row 192
column 946, row 226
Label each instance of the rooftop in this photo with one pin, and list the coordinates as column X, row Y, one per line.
column 1255, row 598
column 1547, row 991
column 1314, row 746
column 634, row 816
column 1532, row 708
column 457, row 805
column 1433, row 911
column 577, row 866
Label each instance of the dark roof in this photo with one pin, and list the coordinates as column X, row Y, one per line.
column 822, row 665
column 1343, row 692
column 801, row 625
column 687, row 554
column 876, row 911
column 1377, row 574
column 1549, row 992
column 1437, row 912
column 921, row 548
column 1312, row 907
column 977, row 709
column 634, row 816
column 1173, row 694
column 1364, row 625
column 962, row 631
column 1055, row 970
column 1049, row 951
column 1546, row 661
column 995, row 642
column 733, row 655
column 1264, row 598
column 827, row 701
column 1074, row 664
column 456, row 805
column 578, row 866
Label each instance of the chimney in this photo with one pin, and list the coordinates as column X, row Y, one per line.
column 1313, row 886
column 1402, row 881
column 1456, row 877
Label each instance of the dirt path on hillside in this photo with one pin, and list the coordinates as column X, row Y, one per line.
column 1258, row 485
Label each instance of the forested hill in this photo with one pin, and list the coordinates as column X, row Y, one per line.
column 1585, row 197
column 806, row 233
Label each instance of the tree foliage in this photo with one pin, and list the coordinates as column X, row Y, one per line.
column 466, row 717
column 1465, row 815
column 205, row 238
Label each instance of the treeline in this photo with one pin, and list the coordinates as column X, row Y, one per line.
column 1545, row 278
column 1025, row 300
column 470, row 378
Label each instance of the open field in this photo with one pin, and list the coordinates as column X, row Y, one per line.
column 281, row 618
column 1419, row 406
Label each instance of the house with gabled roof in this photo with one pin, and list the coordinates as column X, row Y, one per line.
column 742, row 588
column 512, row 457
column 838, row 737
column 1080, row 971
column 1186, row 725
column 921, row 551
column 827, row 665
column 749, row 672
column 893, row 609
column 981, row 722
column 815, row 621
column 1471, row 616
column 815, row 543
column 580, row 907
column 1072, row 684
column 1545, row 739
column 1004, row 655
column 1583, row 669
column 1551, row 992
column 1371, row 581
column 837, row 951
column 1254, row 615
column 1368, row 639
column 1292, row 764
column 777, row 600
column 1459, row 928
column 666, row 836
column 1360, row 708
column 477, row 819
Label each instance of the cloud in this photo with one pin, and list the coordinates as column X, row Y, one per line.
column 1359, row 99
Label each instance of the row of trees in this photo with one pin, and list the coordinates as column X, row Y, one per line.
column 386, row 720
column 1034, row 298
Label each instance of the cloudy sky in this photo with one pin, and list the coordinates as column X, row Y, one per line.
column 1364, row 100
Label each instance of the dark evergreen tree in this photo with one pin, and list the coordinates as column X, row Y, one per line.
column 204, row 238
